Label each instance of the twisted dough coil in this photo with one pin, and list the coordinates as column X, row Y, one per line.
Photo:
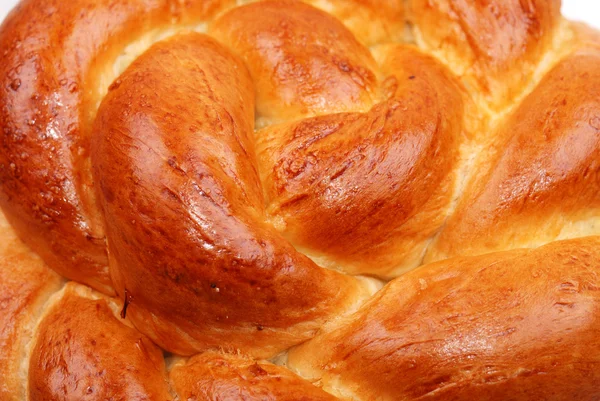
column 232, row 188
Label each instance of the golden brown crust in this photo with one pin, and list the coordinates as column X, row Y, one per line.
column 83, row 352
column 185, row 220
column 359, row 192
column 360, row 156
column 302, row 60
column 371, row 21
column 25, row 284
column 496, row 45
column 539, row 181
column 518, row 325
column 365, row 192
column 214, row 376
column 49, row 72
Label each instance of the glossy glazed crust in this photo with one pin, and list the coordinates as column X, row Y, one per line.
column 233, row 181
column 495, row 46
column 83, row 352
column 359, row 192
column 302, row 61
column 365, row 192
column 540, row 179
column 176, row 169
column 517, row 325
column 54, row 53
column 214, row 376
column 25, row 285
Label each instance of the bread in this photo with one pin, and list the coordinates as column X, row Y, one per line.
column 286, row 200
column 515, row 325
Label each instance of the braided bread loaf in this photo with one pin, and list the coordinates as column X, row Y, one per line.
column 222, row 190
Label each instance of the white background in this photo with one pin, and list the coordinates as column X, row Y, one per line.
column 584, row 10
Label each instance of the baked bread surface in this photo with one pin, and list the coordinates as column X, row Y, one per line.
column 299, row 200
